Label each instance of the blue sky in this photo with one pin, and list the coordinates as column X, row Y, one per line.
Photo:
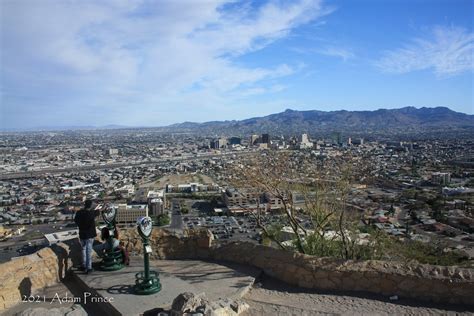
column 153, row 63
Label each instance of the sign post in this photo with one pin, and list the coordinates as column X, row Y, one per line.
column 147, row 282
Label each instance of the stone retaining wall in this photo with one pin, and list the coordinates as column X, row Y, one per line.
column 187, row 244
column 25, row 275
column 417, row 281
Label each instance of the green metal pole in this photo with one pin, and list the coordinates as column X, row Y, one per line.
column 147, row 282
column 147, row 260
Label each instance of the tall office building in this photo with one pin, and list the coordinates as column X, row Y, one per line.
column 234, row 141
column 222, row 142
column 442, row 178
column 303, row 142
column 303, row 138
column 155, row 207
column 336, row 138
column 218, row 143
column 253, row 140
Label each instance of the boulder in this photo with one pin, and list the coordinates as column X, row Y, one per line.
column 188, row 302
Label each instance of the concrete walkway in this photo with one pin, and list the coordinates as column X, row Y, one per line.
column 176, row 276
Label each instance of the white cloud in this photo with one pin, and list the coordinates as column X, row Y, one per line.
column 146, row 53
column 342, row 53
column 332, row 51
column 447, row 51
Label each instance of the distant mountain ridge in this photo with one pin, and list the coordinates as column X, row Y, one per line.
column 63, row 128
column 403, row 120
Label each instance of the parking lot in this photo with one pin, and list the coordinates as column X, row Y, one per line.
column 199, row 214
column 226, row 228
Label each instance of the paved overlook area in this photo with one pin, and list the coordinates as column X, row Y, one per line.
column 264, row 295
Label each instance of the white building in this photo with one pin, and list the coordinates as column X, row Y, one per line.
column 127, row 190
column 192, row 187
column 304, row 143
column 129, row 213
column 61, row 236
column 156, row 194
column 113, row 151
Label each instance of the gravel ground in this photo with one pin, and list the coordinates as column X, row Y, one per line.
column 271, row 297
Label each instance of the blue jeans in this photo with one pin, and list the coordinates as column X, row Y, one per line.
column 87, row 253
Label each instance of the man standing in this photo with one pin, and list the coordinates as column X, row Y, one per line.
column 85, row 220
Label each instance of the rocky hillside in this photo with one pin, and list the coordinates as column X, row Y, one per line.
column 404, row 120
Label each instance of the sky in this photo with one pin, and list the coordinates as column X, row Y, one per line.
column 155, row 63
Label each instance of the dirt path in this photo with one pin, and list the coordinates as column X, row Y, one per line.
column 272, row 297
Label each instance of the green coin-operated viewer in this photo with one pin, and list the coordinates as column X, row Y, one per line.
column 146, row 282
column 113, row 258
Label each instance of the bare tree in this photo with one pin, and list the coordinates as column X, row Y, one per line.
column 271, row 174
column 280, row 176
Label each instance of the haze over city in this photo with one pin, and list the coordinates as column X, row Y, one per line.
column 142, row 63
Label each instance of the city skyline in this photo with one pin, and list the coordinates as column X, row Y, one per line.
column 159, row 63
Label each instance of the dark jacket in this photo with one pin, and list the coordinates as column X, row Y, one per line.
column 85, row 220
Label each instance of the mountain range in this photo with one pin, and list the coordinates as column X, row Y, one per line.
column 405, row 120
column 435, row 121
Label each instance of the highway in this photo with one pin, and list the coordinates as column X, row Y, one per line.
column 35, row 173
